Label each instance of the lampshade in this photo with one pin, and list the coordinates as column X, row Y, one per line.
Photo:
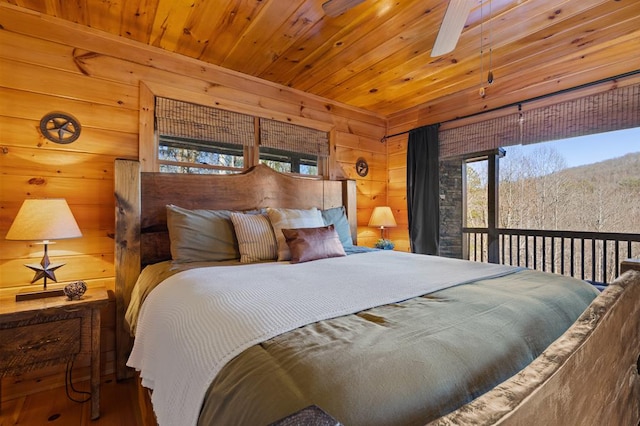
column 382, row 217
column 42, row 220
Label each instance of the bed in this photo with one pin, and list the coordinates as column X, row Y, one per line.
column 572, row 381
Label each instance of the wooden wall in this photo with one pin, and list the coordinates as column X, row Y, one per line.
column 49, row 65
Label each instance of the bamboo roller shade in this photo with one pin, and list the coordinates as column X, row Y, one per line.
column 615, row 109
column 289, row 137
column 192, row 121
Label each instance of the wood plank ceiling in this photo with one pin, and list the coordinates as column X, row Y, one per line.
column 377, row 55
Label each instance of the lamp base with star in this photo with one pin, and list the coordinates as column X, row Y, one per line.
column 45, row 269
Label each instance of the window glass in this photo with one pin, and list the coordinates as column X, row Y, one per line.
column 289, row 162
column 179, row 155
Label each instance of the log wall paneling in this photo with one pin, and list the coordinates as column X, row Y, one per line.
column 46, row 65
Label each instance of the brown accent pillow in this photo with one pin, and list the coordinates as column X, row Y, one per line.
column 308, row 244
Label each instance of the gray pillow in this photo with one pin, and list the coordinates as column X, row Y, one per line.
column 201, row 235
column 338, row 218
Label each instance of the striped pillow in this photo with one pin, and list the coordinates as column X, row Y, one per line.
column 256, row 240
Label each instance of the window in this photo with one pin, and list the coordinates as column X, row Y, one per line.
column 200, row 139
column 289, row 162
column 290, row 148
column 178, row 155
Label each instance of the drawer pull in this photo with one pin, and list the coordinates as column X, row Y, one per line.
column 38, row 345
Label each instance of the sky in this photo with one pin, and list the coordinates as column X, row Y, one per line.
column 592, row 148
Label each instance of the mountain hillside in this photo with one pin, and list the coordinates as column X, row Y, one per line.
column 539, row 193
column 622, row 168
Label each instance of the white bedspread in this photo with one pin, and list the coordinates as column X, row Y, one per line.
column 193, row 323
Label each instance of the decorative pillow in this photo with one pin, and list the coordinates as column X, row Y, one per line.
column 255, row 237
column 201, row 235
column 338, row 217
column 292, row 219
column 308, row 244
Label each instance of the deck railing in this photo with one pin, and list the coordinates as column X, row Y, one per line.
column 591, row 256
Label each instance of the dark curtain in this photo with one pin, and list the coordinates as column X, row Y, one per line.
column 423, row 190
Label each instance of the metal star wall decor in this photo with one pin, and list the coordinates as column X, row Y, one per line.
column 60, row 128
column 362, row 168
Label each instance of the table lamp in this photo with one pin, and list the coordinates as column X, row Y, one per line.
column 382, row 217
column 43, row 220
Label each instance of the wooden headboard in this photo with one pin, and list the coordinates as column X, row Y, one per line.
column 141, row 222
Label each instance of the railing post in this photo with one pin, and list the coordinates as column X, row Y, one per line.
column 493, row 244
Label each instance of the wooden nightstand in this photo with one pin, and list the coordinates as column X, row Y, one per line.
column 43, row 332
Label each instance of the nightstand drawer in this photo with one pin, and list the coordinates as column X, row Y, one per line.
column 41, row 343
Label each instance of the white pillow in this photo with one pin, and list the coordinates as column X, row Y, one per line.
column 256, row 241
column 292, row 219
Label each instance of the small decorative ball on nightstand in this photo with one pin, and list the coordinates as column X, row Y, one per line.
column 75, row 290
column 384, row 244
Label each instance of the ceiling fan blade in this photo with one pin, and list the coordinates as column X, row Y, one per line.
column 334, row 8
column 451, row 27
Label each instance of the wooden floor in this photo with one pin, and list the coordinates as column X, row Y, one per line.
column 118, row 407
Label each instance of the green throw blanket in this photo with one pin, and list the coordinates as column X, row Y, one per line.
column 400, row 364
